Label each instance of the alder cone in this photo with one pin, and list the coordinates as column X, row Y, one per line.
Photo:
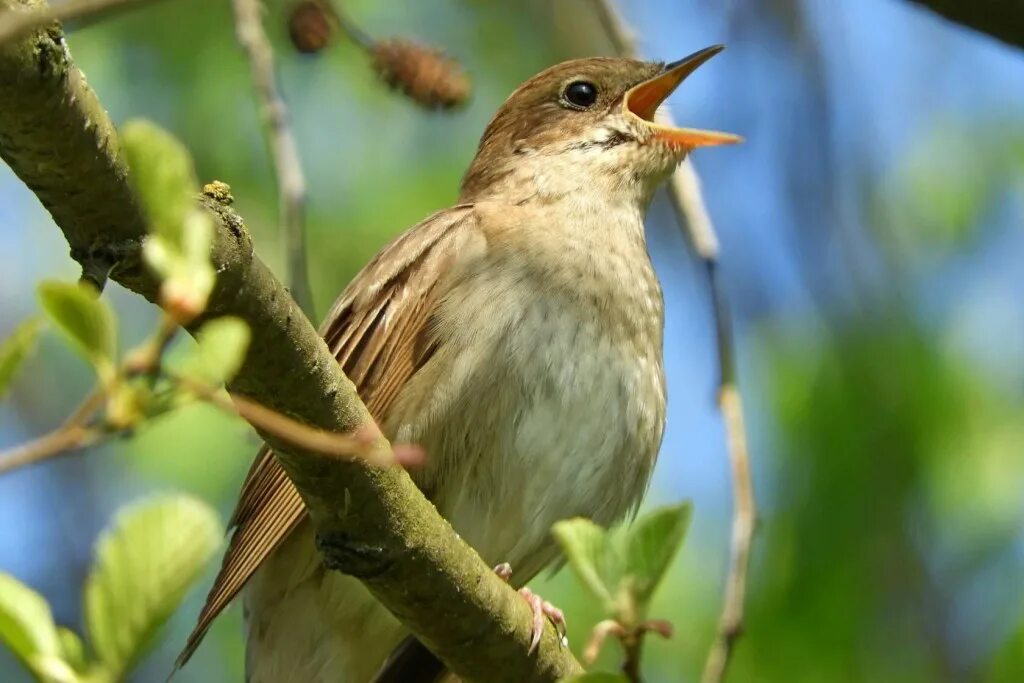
column 310, row 26
column 421, row 72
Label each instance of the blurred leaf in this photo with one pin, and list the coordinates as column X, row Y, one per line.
column 85, row 319
column 52, row 669
column 71, row 648
column 652, row 543
column 144, row 565
column 163, row 176
column 26, row 623
column 15, row 349
column 589, row 552
column 219, row 352
column 596, row 677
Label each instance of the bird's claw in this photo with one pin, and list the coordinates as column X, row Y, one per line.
column 540, row 607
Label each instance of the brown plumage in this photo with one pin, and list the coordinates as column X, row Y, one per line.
column 516, row 336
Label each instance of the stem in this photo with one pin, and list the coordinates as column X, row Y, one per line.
column 16, row 24
column 291, row 182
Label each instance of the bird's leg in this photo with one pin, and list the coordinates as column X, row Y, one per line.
column 541, row 608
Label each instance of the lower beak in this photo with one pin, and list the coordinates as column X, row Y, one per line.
column 643, row 100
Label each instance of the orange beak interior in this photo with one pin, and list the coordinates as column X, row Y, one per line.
column 643, row 100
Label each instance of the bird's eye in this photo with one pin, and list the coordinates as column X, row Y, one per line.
column 580, row 94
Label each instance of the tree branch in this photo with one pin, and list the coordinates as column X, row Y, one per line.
column 291, row 183
column 1002, row 19
column 688, row 202
column 56, row 137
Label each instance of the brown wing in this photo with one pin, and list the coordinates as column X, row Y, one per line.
column 375, row 330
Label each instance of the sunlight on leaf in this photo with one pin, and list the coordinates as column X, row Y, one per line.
column 15, row 349
column 85, row 319
column 220, row 349
column 587, row 548
column 144, row 565
column 71, row 648
column 26, row 623
column 163, row 176
column 596, row 677
column 652, row 542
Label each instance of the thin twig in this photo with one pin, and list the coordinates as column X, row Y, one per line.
column 291, row 182
column 72, row 434
column 688, row 201
column 351, row 446
column 17, row 24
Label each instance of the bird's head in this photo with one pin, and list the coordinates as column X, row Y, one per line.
column 588, row 123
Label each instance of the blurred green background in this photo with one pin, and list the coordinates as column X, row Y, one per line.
column 872, row 251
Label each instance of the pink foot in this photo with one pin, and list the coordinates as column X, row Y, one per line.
column 541, row 608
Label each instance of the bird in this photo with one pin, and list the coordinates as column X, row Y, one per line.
column 517, row 338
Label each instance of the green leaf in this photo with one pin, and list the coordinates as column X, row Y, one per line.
column 596, row 677
column 651, row 544
column 71, row 648
column 26, row 623
column 84, row 318
column 220, row 350
column 15, row 349
column 591, row 555
column 163, row 176
column 144, row 565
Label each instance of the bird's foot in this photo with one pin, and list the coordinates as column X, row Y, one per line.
column 540, row 607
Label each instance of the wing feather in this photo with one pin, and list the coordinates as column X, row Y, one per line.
column 375, row 330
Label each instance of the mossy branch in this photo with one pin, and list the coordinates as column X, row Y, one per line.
column 56, row 136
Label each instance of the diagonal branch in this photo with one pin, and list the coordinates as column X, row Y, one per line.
column 688, row 202
column 1002, row 19
column 55, row 135
column 291, row 183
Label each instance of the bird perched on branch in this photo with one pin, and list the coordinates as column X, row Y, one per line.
column 517, row 337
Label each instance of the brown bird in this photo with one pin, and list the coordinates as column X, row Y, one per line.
column 517, row 337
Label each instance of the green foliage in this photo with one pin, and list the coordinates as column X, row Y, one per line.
column 15, row 349
column 178, row 249
column 163, row 176
column 84, row 319
column 26, row 624
column 219, row 352
column 624, row 568
column 143, row 567
column 596, row 677
column 651, row 544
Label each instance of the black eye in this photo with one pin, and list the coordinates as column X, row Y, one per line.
column 580, row 94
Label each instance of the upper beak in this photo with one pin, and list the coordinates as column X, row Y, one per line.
column 643, row 100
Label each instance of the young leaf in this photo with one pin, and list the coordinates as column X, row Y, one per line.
column 596, row 677
column 652, row 542
column 220, row 349
column 591, row 556
column 71, row 648
column 84, row 318
column 144, row 564
column 163, row 176
column 15, row 349
column 26, row 623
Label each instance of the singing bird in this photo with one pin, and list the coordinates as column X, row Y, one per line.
column 516, row 337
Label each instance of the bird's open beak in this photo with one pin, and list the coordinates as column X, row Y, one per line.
column 643, row 100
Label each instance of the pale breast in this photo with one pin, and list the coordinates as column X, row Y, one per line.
column 545, row 401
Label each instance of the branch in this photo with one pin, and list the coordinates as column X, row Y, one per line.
column 56, row 137
column 291, row 183
column 688, row 202
column 1002, row 19
column 16, row 23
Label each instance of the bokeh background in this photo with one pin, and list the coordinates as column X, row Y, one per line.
column 872, row 251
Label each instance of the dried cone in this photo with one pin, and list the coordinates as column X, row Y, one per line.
column 422, row 72
column 311, row 25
